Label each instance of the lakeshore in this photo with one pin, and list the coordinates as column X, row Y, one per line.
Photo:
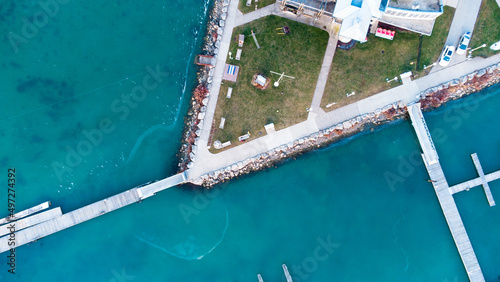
column 320, row 128
column 430, row 99
column 386, row 115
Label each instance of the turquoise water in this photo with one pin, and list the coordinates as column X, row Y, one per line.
column 359, row 210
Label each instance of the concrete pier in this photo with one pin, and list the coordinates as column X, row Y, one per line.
column 444, row 195
column 26, row 213
column 31, row 221
column 83, row 214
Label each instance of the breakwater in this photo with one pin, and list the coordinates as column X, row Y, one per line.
column 460, row 87
column 430, row 99
column 199, row 100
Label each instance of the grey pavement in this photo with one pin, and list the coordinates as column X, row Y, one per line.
column 315, row 108
column 260, row 13
column 464, row 20
column 407, row 93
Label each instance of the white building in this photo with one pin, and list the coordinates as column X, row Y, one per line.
column 357, row 16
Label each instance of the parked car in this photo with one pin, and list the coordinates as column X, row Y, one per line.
column 446, row 56
column 463, row 43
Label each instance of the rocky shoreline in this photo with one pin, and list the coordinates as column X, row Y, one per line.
column 196, row 113
column 473, row 82
column 429, row 99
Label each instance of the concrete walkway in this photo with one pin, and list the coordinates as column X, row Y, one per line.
column 260, row 13
column 207, row 162
column 464, row 20
column 315, row 108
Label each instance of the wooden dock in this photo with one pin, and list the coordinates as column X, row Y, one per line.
column 444, row 195
column 45, row 228
column 32, row 220
column 26, row 213
column 481, row 180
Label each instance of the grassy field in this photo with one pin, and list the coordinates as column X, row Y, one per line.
column 298, row 54
column 242, row 6
column 487, row 29
column 365, row 68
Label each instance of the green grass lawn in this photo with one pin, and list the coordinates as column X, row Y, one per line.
column 365, row 68
column 487, row 29
column 298, row 54
column 247, row 9
column 434, row 44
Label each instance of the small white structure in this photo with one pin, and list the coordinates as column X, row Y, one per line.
column 217, row 144
column 244, row 137
column 241, row 40
column 496, row 45
column 238, row 54
column 406, row 77
column 260, row 80
column 249, row 2
column 269, row 128
column 222, row 122
column 229, row 92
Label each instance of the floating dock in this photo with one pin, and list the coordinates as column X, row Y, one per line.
column 444, row 195
column 481, row 180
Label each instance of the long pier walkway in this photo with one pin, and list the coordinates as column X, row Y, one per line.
column 54, row 222
column 450, row 210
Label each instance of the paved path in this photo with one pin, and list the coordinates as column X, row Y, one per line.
column 315, row 108
column 252, row 16
column 207, row 162
column 464, row 20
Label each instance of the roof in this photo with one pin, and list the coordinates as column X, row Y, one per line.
column 356, row 16
column 417, row 5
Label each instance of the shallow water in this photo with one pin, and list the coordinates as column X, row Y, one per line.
column 359, row 210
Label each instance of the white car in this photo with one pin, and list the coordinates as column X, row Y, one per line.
column 463, row 43
column 446, row 56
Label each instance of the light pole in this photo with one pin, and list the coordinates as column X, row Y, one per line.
column 472, row 50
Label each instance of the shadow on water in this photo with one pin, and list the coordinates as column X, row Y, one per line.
column 48, row 92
